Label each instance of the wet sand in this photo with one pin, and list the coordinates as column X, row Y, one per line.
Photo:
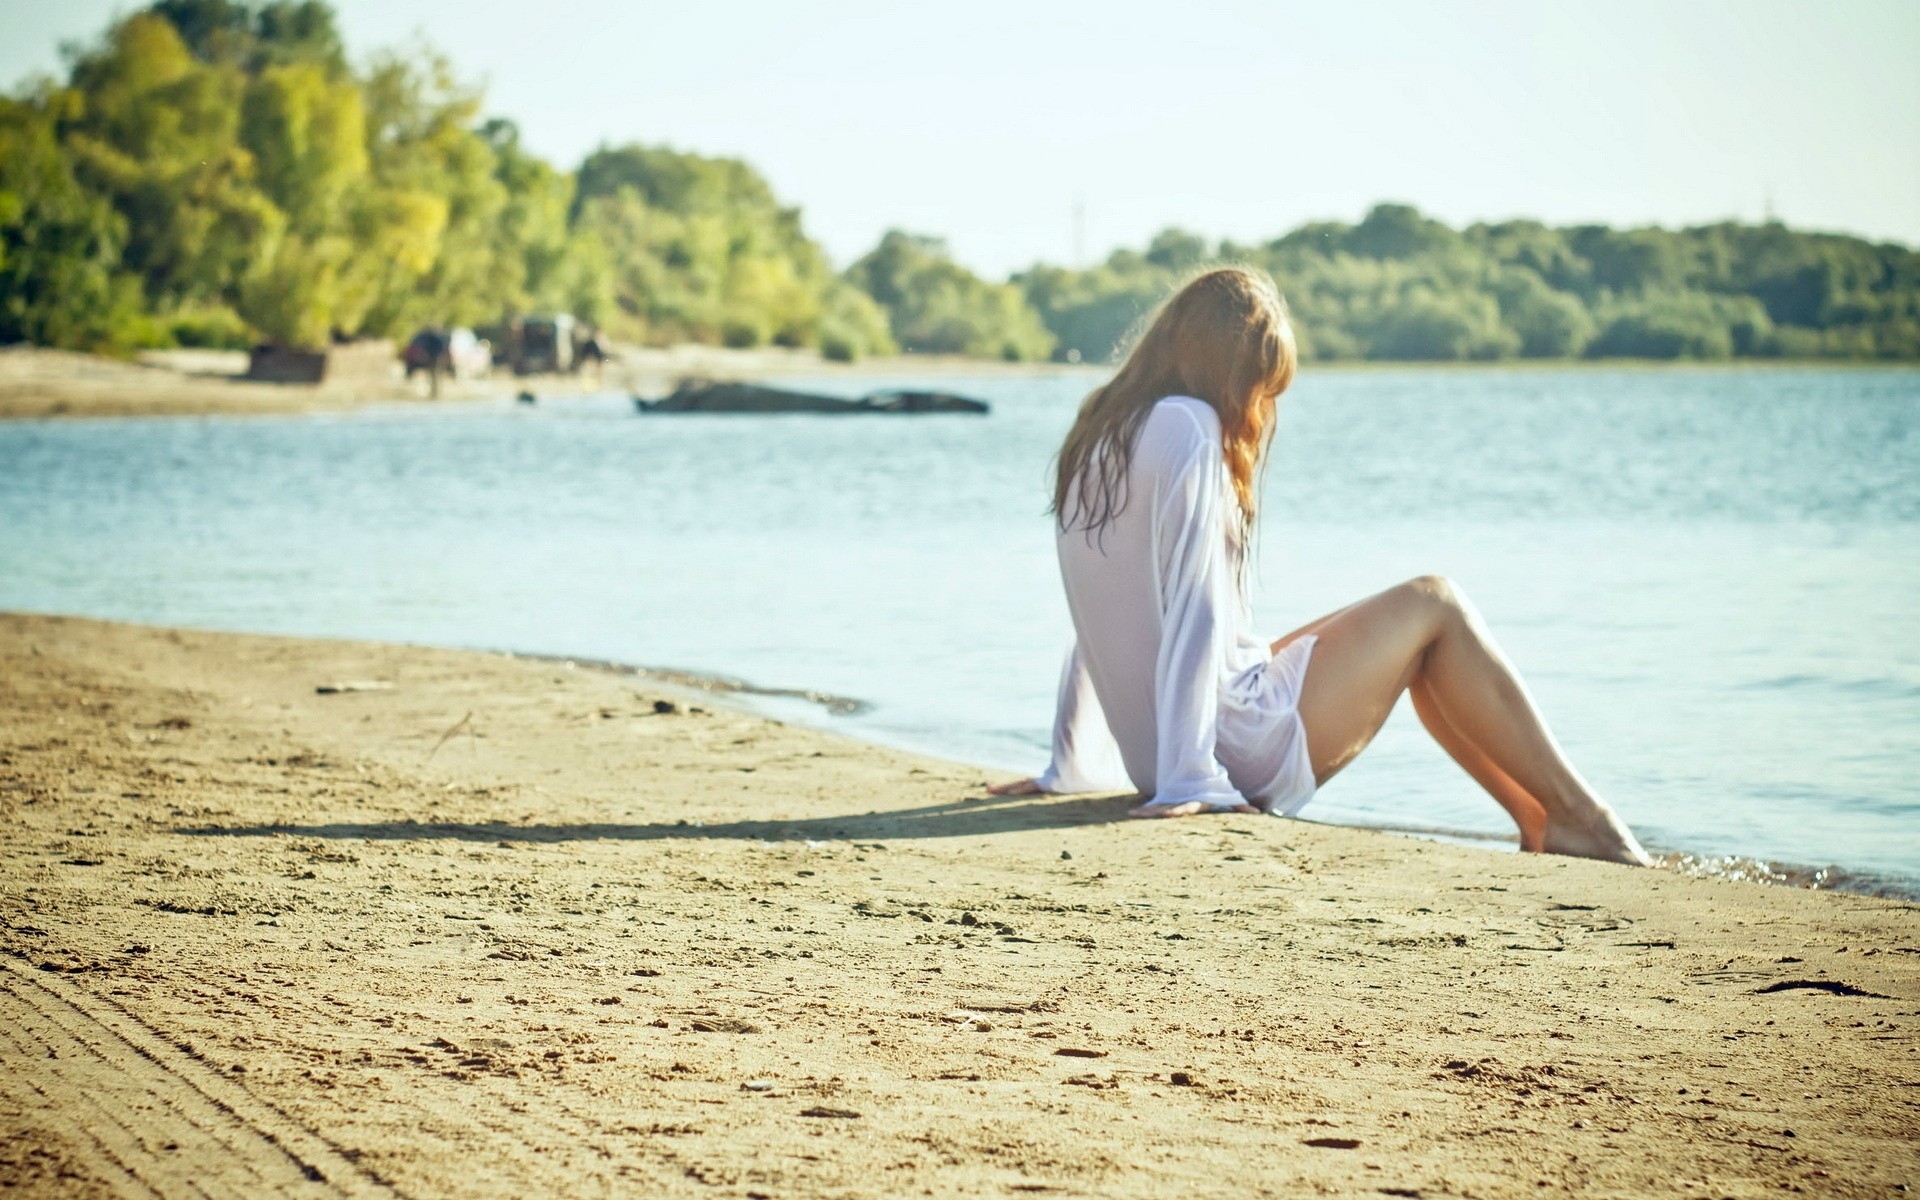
column 506, row 928
column 36, row 382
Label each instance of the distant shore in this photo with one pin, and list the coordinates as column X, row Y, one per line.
column 393, row 917
column 40, row 383
column 37, row 382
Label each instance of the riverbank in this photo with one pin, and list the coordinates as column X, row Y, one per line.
column 491, row 925
column 37, row 382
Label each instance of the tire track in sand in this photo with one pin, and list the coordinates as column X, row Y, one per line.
column 147, row 1116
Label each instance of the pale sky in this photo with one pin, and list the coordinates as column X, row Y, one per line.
column 989, row 122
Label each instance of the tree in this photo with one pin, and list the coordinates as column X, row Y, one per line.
column 155, row 132
column 1425, row 325
column 1549, row 323
column 701, row 249
column 545, row 266
column 60, row 246
column 1631, row 261
column 1668, row 326
column 936, row 306
column 1176, row 250
column 1398, row 231
column 307, row 133
column 1537, row 249
column 673, row 181
column 213, row 170
column 225, row 33
column 434, row 184
column 853, row 325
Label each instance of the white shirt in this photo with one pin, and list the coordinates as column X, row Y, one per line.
column 1165, row 688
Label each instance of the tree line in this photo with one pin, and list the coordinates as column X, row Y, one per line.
column 1402, row 286
column 215, row 173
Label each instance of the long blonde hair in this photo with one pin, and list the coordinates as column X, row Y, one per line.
column 1223, row 338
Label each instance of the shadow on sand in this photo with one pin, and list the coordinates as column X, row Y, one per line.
column 963, row 818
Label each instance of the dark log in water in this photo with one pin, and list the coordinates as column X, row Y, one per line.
column 701, row 397
column 923, row 402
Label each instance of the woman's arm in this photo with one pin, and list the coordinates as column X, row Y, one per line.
column 1085, row 756
column 1196, row 603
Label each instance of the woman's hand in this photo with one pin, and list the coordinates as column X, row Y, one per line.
column 1018, row 787
column 1188, row 809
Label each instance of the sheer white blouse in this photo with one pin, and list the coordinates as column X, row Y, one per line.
column 1165, row 690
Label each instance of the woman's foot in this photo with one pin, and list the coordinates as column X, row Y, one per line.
column 1593, row 830
column 1189, row 808
column 1018, row 787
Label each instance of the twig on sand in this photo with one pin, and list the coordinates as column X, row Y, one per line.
column 457, row 726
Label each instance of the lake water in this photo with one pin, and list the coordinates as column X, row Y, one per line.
column 1710, row 577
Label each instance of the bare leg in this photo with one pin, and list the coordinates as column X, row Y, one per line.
column 1424, row 632
column 1526, row 812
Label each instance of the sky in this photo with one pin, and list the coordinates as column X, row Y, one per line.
column 993, row 123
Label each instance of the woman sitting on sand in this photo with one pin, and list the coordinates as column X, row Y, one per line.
column 1154, row 505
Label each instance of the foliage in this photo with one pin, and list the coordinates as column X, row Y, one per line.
column 211, row 172
column 936, row 306
column 239, row 35
column 699, row 248
column 60, row 245
column 1400, row 285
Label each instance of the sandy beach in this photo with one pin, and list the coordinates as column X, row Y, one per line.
column 37, row 382
column 498, row 926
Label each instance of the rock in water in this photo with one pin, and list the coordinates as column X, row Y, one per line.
column 702, row 396
column 924, row 402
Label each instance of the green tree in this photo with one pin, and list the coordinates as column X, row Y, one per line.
column 1090, row 313
column 700, row 249
column 1537, row 249
column 1679, row 325
column 307, row 133
column 60, row 246
column 214, row 169
column 1425, row 325
column 1549, row 323
column 432, row 169
column 854, row 325
column 674, row 181
column 1399, row 231
column 1632, row 260
column 936, row 306
column 249, row 38
column 1176, row 250
column 155, row 132
column 1401, row 285
column 544, row 265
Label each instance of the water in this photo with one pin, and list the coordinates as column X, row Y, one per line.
column 1709, row 576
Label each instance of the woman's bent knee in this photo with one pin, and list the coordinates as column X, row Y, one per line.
column 1438, row 602
column 1434, row 591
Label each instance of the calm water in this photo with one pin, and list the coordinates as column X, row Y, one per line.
column 1709, row 576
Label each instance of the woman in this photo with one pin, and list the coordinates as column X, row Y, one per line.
column 1154, row 502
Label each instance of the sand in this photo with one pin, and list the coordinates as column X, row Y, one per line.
column 37, row 382
column 504, row 929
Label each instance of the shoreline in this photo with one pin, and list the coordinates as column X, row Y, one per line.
column 740, row 693
column 1746, row 868
column 38, row 383
column 519, row 926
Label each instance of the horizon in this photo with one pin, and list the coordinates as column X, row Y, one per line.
column 1691, row 127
